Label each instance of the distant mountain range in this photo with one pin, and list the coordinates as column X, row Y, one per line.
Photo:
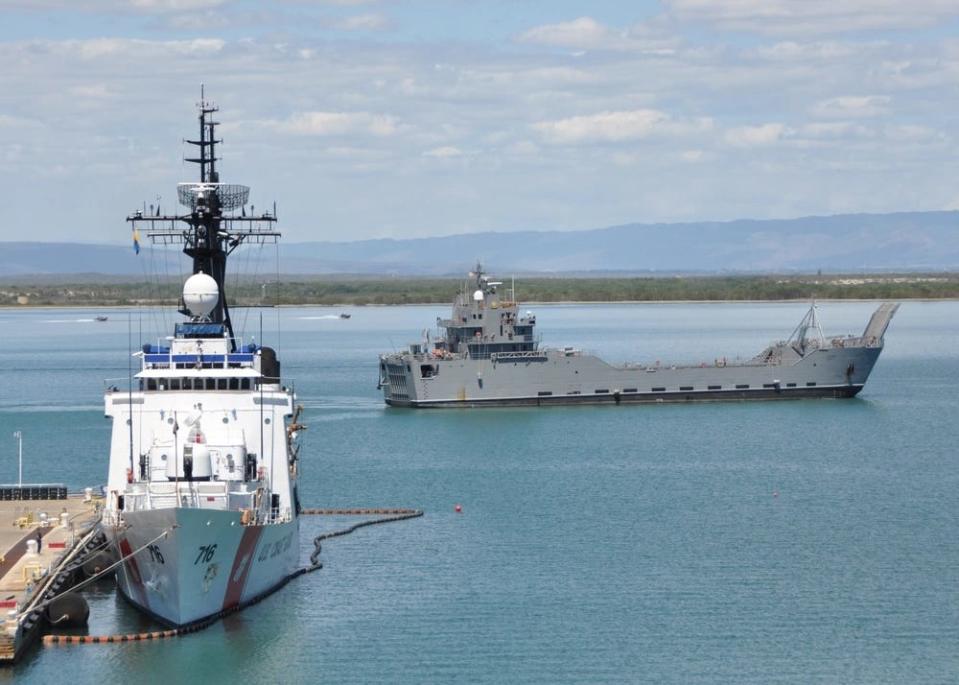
column 907, row 241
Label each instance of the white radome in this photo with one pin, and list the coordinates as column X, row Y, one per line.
column 200, row 294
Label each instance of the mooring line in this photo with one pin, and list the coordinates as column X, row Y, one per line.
column 196, row 626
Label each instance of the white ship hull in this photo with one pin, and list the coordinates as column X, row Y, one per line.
column 208, row 561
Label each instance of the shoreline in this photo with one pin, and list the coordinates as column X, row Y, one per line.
column 530, row 303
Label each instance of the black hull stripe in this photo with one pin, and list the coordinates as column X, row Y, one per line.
column 830, row 392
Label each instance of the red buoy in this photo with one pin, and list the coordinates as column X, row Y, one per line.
column 458, row 508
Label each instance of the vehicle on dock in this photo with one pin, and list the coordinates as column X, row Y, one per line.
column 202, row 501
column 487, row 354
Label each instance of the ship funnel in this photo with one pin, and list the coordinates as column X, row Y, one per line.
column 200, row 294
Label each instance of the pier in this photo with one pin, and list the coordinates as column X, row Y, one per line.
column 41, row 530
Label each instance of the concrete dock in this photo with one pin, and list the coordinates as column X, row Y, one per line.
column 56, row 527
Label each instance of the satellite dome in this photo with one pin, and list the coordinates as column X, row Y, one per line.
column 200, row 294
column 478, row 296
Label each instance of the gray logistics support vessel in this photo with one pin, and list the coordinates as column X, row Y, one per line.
column 488, row 355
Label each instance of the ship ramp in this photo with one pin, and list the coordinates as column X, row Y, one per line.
column 876, row 328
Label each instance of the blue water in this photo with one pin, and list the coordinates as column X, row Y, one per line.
column 807, row 541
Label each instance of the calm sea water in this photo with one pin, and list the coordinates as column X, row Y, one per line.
column 808, row 541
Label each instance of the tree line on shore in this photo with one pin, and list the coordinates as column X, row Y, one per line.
column 413, row 290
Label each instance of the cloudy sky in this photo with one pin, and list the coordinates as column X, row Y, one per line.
column 402, row 118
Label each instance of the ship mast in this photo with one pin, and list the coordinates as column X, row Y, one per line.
column 210, row 235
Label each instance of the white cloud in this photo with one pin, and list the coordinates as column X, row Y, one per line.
column 852, row 106
column 835, row 130
column 120, row 6
column 121, row 48
column 618, row 126
column 814, row 16
column 444, row 152
column 585, row 33
column 337, row 124
column 756, row 136
column 174, row 5
column 360, row 22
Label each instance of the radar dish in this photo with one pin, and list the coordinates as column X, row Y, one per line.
column 478, row 296
column 230, row 195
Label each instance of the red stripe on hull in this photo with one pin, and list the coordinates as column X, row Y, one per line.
column 134, row 571
column 242, row 563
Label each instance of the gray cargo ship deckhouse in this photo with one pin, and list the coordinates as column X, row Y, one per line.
column 488, row 355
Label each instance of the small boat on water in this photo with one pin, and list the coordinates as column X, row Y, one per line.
column 345, row 315
column 487, row 354
column 202, row 503
column 100, row 317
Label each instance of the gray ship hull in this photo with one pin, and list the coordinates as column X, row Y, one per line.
column 487, row 354
column 556, row 378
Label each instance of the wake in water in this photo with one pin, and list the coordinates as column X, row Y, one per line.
column 69, row 321
column 320, row 318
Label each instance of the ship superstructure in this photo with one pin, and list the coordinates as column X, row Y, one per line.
column 202, row 498
column 487, row 354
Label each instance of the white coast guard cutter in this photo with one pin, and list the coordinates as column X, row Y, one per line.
column 202, row 501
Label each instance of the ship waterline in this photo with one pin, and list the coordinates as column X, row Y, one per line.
column 487, row 355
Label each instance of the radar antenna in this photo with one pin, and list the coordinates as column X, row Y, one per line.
column 210, row 235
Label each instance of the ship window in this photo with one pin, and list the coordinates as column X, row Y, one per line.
column 601, row 391
column 544, row 393
column 659, row 389
column 630, row 390
column 574, row 392
column 186, row 384
column 211, row 384
column 769, row 385
column 245, row 384
column 221, row 384
column 790, row 385
column 427, row 371
column 811, row 384
column 151, row 383
column 743, row 386
column 685, row 387
column 174, row 384
column 715, row 387
column 234, row 384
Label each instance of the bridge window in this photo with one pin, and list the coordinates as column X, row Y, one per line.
column 790, row 385
column 174, row 384
column 630, row 390
column 151, row 383
column 544, row 393
column 659, row 389
column 234, row 384
column 743, row 386
column 715, row 387
column 811, row 384
column 685, row 387
column 211, row 384
column 601, row 391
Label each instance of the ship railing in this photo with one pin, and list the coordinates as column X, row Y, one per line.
column 191, row 494
column 117, row 384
